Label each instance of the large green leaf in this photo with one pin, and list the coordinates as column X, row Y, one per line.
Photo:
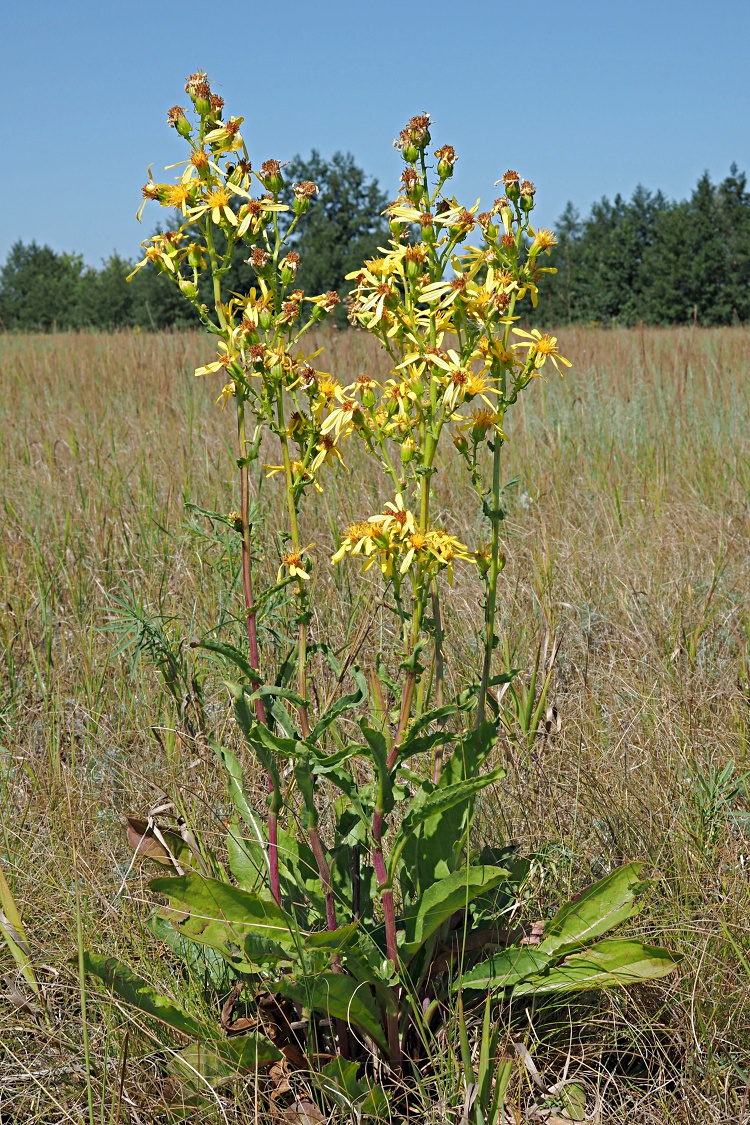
column 606, row 964
column 444, row 898
column 340, row 997
column 504, row 969
column 222, row 916
column 344, row 703
column 237, row 794
column 138, row 993
column 435, row 848
column 213, row 1062
column 599, row 908
column 426, row 805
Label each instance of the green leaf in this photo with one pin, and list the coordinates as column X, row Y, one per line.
column 504, row 969
column 607, row 964
column 242, row 1054
column 599, row 908
column 233, row 655
column 337, row 996
column 443, row 899
column 332, row 940
column 411, row 747
column 138, row 993
column 221, row 916
column 441, row 800
column 345, row 703
column 379, row 753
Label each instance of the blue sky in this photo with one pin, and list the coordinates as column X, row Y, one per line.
column 585, row 98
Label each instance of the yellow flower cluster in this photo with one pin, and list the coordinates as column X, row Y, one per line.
column 446, row 313
column 393, row 540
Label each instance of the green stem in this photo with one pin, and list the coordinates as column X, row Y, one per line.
column 489, row 609
column 291, row 504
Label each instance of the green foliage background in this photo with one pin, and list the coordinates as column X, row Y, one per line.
column 645, row 260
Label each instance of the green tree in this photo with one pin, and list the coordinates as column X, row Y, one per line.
column 39, row 288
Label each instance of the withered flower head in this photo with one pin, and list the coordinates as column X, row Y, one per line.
column 510, row 178
column 409, row 179
column 415, row 253
column 304, row 190
column 508, row 240
column 258, row 258
column 446, row 153
column 197, row 84
column 245, row 167
column 174, row 115
column 331, row 300
column 151, row 190
column 527, row 188
column 257, row 353
column 269, row 168
column 426, row 219
column 308, row 375
column 501, row 203
column 289, row 311
column 217, row 103
column 484, row 218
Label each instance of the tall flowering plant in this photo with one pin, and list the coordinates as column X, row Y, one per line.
column 358, row 921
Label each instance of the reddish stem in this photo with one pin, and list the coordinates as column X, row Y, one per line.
column 389, row 915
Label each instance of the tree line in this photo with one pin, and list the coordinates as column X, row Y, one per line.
column 644, row 260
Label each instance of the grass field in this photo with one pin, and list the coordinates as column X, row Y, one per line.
column 628, row 547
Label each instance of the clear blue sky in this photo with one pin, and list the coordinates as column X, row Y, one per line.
column 585, row 98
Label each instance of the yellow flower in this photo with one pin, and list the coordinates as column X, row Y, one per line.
column 541, row 348
column 219, row 364
column 445, row 548
column 328, row 453
column 253, row 214
column 416, row 542
column 226, row 393
column 294, row 564
column 343, row 419
column 544, row 240
column 227, row 135
column 397, row 519
column 358, row 537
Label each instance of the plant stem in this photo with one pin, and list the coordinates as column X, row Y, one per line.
column 252, row 637
column 291, row 504
column 389, row 915
column 489, row 609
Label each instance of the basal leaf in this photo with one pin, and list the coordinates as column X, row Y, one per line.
column 138, row 993
column 337, row 996
column 607, row 964
column 599, row 908
column 504, row 969
column 444, row 898
column 221, row 915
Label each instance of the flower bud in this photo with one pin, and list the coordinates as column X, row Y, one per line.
column 188, row 289
column 408, row 449
column 195, row 256
column 265, row 317
column 461, row 443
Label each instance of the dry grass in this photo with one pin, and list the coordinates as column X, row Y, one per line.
column 627, row 539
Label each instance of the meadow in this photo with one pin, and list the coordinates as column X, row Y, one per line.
column 627, row 585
